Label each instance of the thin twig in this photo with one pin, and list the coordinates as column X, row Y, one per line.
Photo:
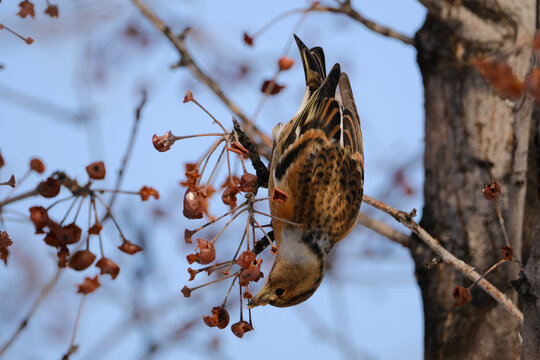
column 18, row 197
column 72, row 347
column 446, row 256
column 128, row 152
column 187, row 61
column 383, row 229
column 346, row 9
column 42, row 295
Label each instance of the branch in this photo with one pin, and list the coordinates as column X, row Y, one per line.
column 186, row 60
column 345, row 8
column 42, row 295
column 446, row 256
column 383, row 229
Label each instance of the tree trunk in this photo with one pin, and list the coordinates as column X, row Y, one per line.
column 471, row 137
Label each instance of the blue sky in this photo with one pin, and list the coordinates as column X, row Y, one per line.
column 369, row 305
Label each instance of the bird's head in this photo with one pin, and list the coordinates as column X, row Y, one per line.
column 297, row 272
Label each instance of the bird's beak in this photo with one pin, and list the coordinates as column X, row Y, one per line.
column 262, row 298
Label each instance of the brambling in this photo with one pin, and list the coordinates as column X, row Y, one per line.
column 318, row 162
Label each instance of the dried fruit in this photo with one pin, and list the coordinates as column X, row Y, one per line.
column 285, row 63
column 247, row 182
column 237, row 148
column 248, row 40
column 146, row 192
column 206, row 254
column 507, row 253
column 229, row 196
column 107, row 266
column 186, row 291
column 187, row 235
column 219, row 318
column 164, row 142
column 5, row 241
column 492, row 191
column 270, row 87
column 130, row 248
column 52, row 11
column 240, row 328
column 188, row 97
column 246, row 259
column 37, row 165
column 95, row 229
column 40, row 217
column 49, row 188
column 96, row 170
column 81, row 260
column 461, row 295
column 89, row 285
column 192, row 208
column 65, row 235
column 26, row 9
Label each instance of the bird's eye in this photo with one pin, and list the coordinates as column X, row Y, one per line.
column 279, row 291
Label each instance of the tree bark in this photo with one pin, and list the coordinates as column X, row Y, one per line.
column 473, row 136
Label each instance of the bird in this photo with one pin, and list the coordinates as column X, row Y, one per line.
column 317, row 161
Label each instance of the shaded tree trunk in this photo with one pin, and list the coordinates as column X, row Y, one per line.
column 471, row 137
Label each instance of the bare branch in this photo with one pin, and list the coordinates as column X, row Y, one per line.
column 42, row 295
column 447, row 257
column 346, row 9
column 186, row 60
column 383, row 229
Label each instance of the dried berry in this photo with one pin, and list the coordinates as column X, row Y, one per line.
column 247, row 295
column 146, row 192
column 206, row 254
column 247, row 182
column 237, row 148
column 26, row 9
column 285, row 63
column 492, row 191
column 461, row 295
column 192, row 274
column 219, row 318
column 186, row 291
column 130, row 248
column 229, row 196
column 52, row 11
column 240, row 328
column 96, row 170
column 63, row 253
column 270, row 87
column 49, row 188
column 81, row 260
column 107, row 266
column 89, row 285
column 246, row 259
column 164, row 142
column 188, row 97
column 65, row 235
column 95, row 229
column 248, row 40
column 507, row 253
column 192, row 207
column 187, row 235
column 5, row 241
column 37, row 165
column 40, row 217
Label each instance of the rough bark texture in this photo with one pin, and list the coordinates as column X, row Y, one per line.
column 530, row 290
column 473, row 136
